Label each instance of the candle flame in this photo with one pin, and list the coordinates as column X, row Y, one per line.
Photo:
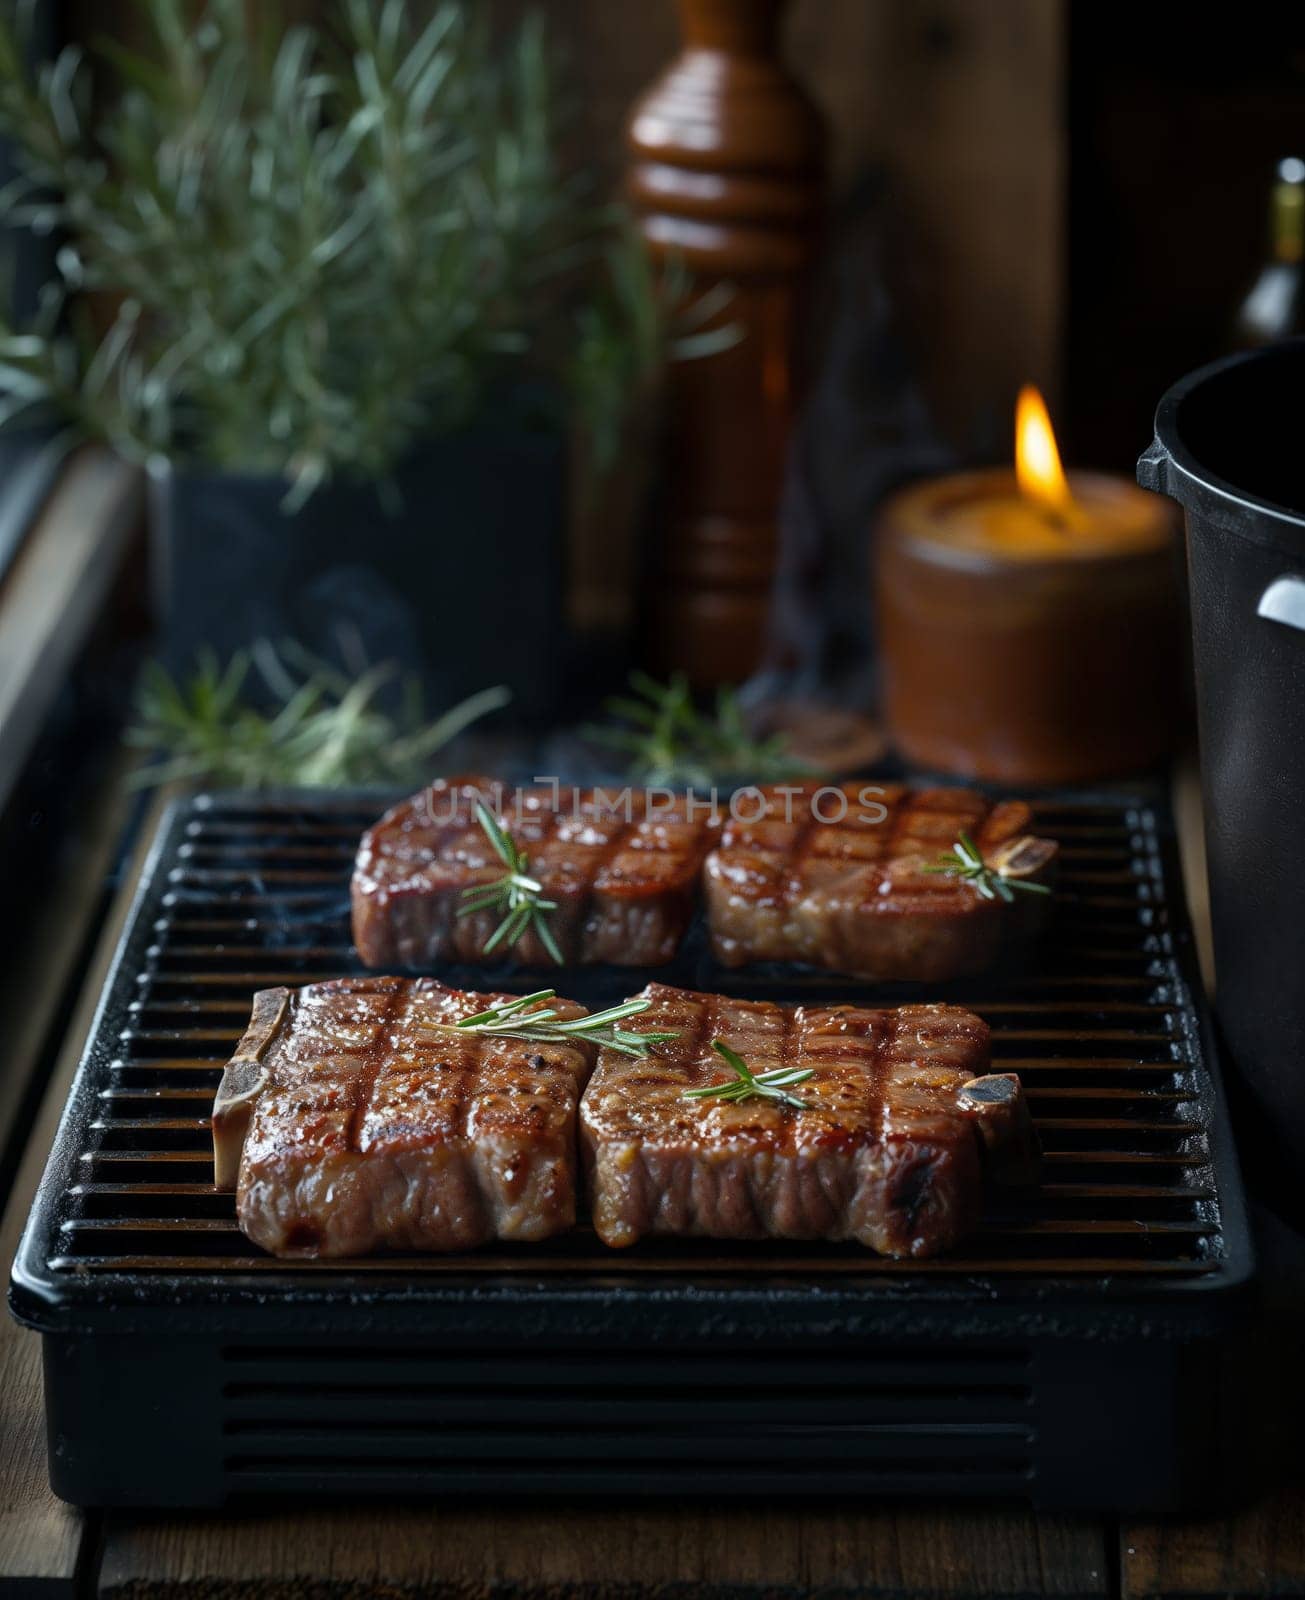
column 1037, row 460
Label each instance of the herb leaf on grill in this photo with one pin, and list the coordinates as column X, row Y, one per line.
column 519, row 896
column 746, row 1084
column 512, row 1019
column 965, row 861
column 667, row 740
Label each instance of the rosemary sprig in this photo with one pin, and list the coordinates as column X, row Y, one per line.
column 519, row 896
column 511, row 1019
column 746, row 1083
column 306, row 724
column 667, row 740
column 963, row 860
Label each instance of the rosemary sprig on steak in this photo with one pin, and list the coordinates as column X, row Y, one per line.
column 519, row 896
column 746, row 1084
column 964, row 860
column 511, row 1019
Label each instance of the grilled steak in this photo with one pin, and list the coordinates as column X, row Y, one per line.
column 888, row 1150
column 622, row 869
column 351, row 1120
column 851, row 894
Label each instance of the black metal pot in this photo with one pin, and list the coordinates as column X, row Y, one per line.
column 1230, row 448
column 458, row 578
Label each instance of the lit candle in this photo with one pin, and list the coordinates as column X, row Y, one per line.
column 1028, row 620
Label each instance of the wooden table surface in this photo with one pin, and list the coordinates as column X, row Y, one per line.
column 567, row 1549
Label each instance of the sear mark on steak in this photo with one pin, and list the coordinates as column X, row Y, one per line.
column 851, row 894
column 624, row 887
column 886, row 1151
column 350, row 1120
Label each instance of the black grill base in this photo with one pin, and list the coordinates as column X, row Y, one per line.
column 1071, row 1354
column 182, row 1422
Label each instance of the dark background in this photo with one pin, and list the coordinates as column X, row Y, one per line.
column 1175, row 123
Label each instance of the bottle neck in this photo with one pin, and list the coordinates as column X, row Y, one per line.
column 738, row 27
column 1287, row 222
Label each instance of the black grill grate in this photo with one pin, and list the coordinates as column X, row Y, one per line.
column 254, row 894
column 1065, row 1354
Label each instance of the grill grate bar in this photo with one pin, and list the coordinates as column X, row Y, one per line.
column 1111, row 1125
column 148, row 1157
column 1030, row 1065
column 293, row 961
column 1122, row 1034
column 106, row 1124
column 1156, row 1020
column 156, row 1096
column 1119, row 861
column 1052, row 1156
column 168, row 1063
column 1040, row 1225
column 1087, row 1063
column 201, row 1094
column 997, row 1006
column 179, row 1035
column 772, row 1264
column 1071, row 1092
column 1050, row 1191
column 1120, row 1158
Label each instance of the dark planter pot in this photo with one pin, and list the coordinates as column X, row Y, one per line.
column 460, row 582
column 1228, row 449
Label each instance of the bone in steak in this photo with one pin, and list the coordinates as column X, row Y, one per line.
column 889, row 1150
column 850, row 893
column 624, row 881
column 352, row 1120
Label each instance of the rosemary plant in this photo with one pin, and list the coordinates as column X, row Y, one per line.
column 323, row 242
column 325, row 729
column 667, row 740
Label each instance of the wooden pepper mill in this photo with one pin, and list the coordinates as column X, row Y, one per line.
column 726, row 176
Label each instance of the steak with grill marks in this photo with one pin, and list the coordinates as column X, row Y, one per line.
column 852, row 893
column 351, row 1119
column 623, row 871
column 889, row 1149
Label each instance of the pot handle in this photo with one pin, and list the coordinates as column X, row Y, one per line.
column 1153, row 468
column 1284, row 601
